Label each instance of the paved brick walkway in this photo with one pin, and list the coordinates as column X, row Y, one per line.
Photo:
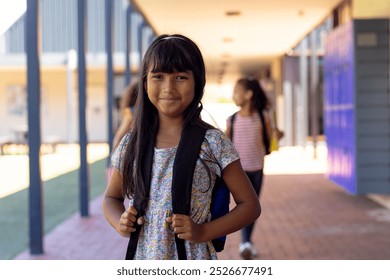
column 305, row 216
column 80, row 238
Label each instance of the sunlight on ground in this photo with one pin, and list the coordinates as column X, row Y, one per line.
column 15, row 168
column 297, row 160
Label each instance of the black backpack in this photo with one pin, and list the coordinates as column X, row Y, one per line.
column 266, row 138
column 183, row 170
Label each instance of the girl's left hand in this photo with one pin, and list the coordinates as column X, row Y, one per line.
column 185, row 228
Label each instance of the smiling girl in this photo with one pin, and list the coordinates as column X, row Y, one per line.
column 170, row 93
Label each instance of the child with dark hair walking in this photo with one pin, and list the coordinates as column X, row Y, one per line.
column 250, row 131
column 169, row 102
column 127, row 105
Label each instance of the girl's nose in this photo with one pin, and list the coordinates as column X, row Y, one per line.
column 169, row 84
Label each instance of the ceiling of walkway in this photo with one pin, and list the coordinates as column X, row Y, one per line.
column 237, row 37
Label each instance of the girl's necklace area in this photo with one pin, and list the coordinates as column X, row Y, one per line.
column 166, row 142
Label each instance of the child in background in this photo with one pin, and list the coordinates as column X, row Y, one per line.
column 127, row 105
column 173, row 80
column 249, row 133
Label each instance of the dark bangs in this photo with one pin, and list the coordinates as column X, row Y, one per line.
column 169, row 56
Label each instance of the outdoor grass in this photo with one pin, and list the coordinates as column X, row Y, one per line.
column 60, row 201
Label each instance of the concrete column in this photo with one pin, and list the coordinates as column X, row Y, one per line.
column 314, row 89
column 110, row 71
column 82, row 85
column 34, row 128
column 128, row 45
column 301, row 126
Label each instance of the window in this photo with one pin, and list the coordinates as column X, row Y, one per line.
column 16, row 100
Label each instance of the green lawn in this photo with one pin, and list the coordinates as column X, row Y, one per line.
column 60, row 200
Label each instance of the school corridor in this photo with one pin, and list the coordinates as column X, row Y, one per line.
column 324, row 65
column 305, row 217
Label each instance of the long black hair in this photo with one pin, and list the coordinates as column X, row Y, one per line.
column 167, row 53
column 259, row 100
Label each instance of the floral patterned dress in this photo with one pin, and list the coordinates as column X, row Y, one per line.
column 157, row 240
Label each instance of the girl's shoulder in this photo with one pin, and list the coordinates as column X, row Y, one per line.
column 215, row 134
column 125, row 139
column 118, row 155
column 217, row 140
column 219, row 147
column 121, row 148
column 231, row 117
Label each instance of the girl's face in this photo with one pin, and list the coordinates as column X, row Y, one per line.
column 241, row 95
column 170, row 93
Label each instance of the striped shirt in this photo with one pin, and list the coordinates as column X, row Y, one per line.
column 248, row 140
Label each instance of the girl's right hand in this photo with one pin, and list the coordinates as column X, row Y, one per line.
column 128, row 220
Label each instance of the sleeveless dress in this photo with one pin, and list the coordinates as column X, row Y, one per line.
column 157, row 240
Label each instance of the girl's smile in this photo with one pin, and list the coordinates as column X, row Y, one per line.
column 169, row 98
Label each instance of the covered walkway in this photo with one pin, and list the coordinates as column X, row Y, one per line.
column 305, row 217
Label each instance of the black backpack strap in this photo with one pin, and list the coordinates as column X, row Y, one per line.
column 232, row 119
column 183, row 171
column 265, row 135
column 140, row 202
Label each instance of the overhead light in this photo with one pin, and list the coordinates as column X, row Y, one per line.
column 227, row 40
column 232, row 13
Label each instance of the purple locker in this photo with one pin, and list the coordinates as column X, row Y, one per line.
column 339, row 109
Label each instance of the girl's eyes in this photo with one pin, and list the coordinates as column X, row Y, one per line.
column 157, row 76
column 178, row 76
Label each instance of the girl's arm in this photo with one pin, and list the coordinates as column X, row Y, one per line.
column 246, row 211
column 121, row 220
column 247, row 208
